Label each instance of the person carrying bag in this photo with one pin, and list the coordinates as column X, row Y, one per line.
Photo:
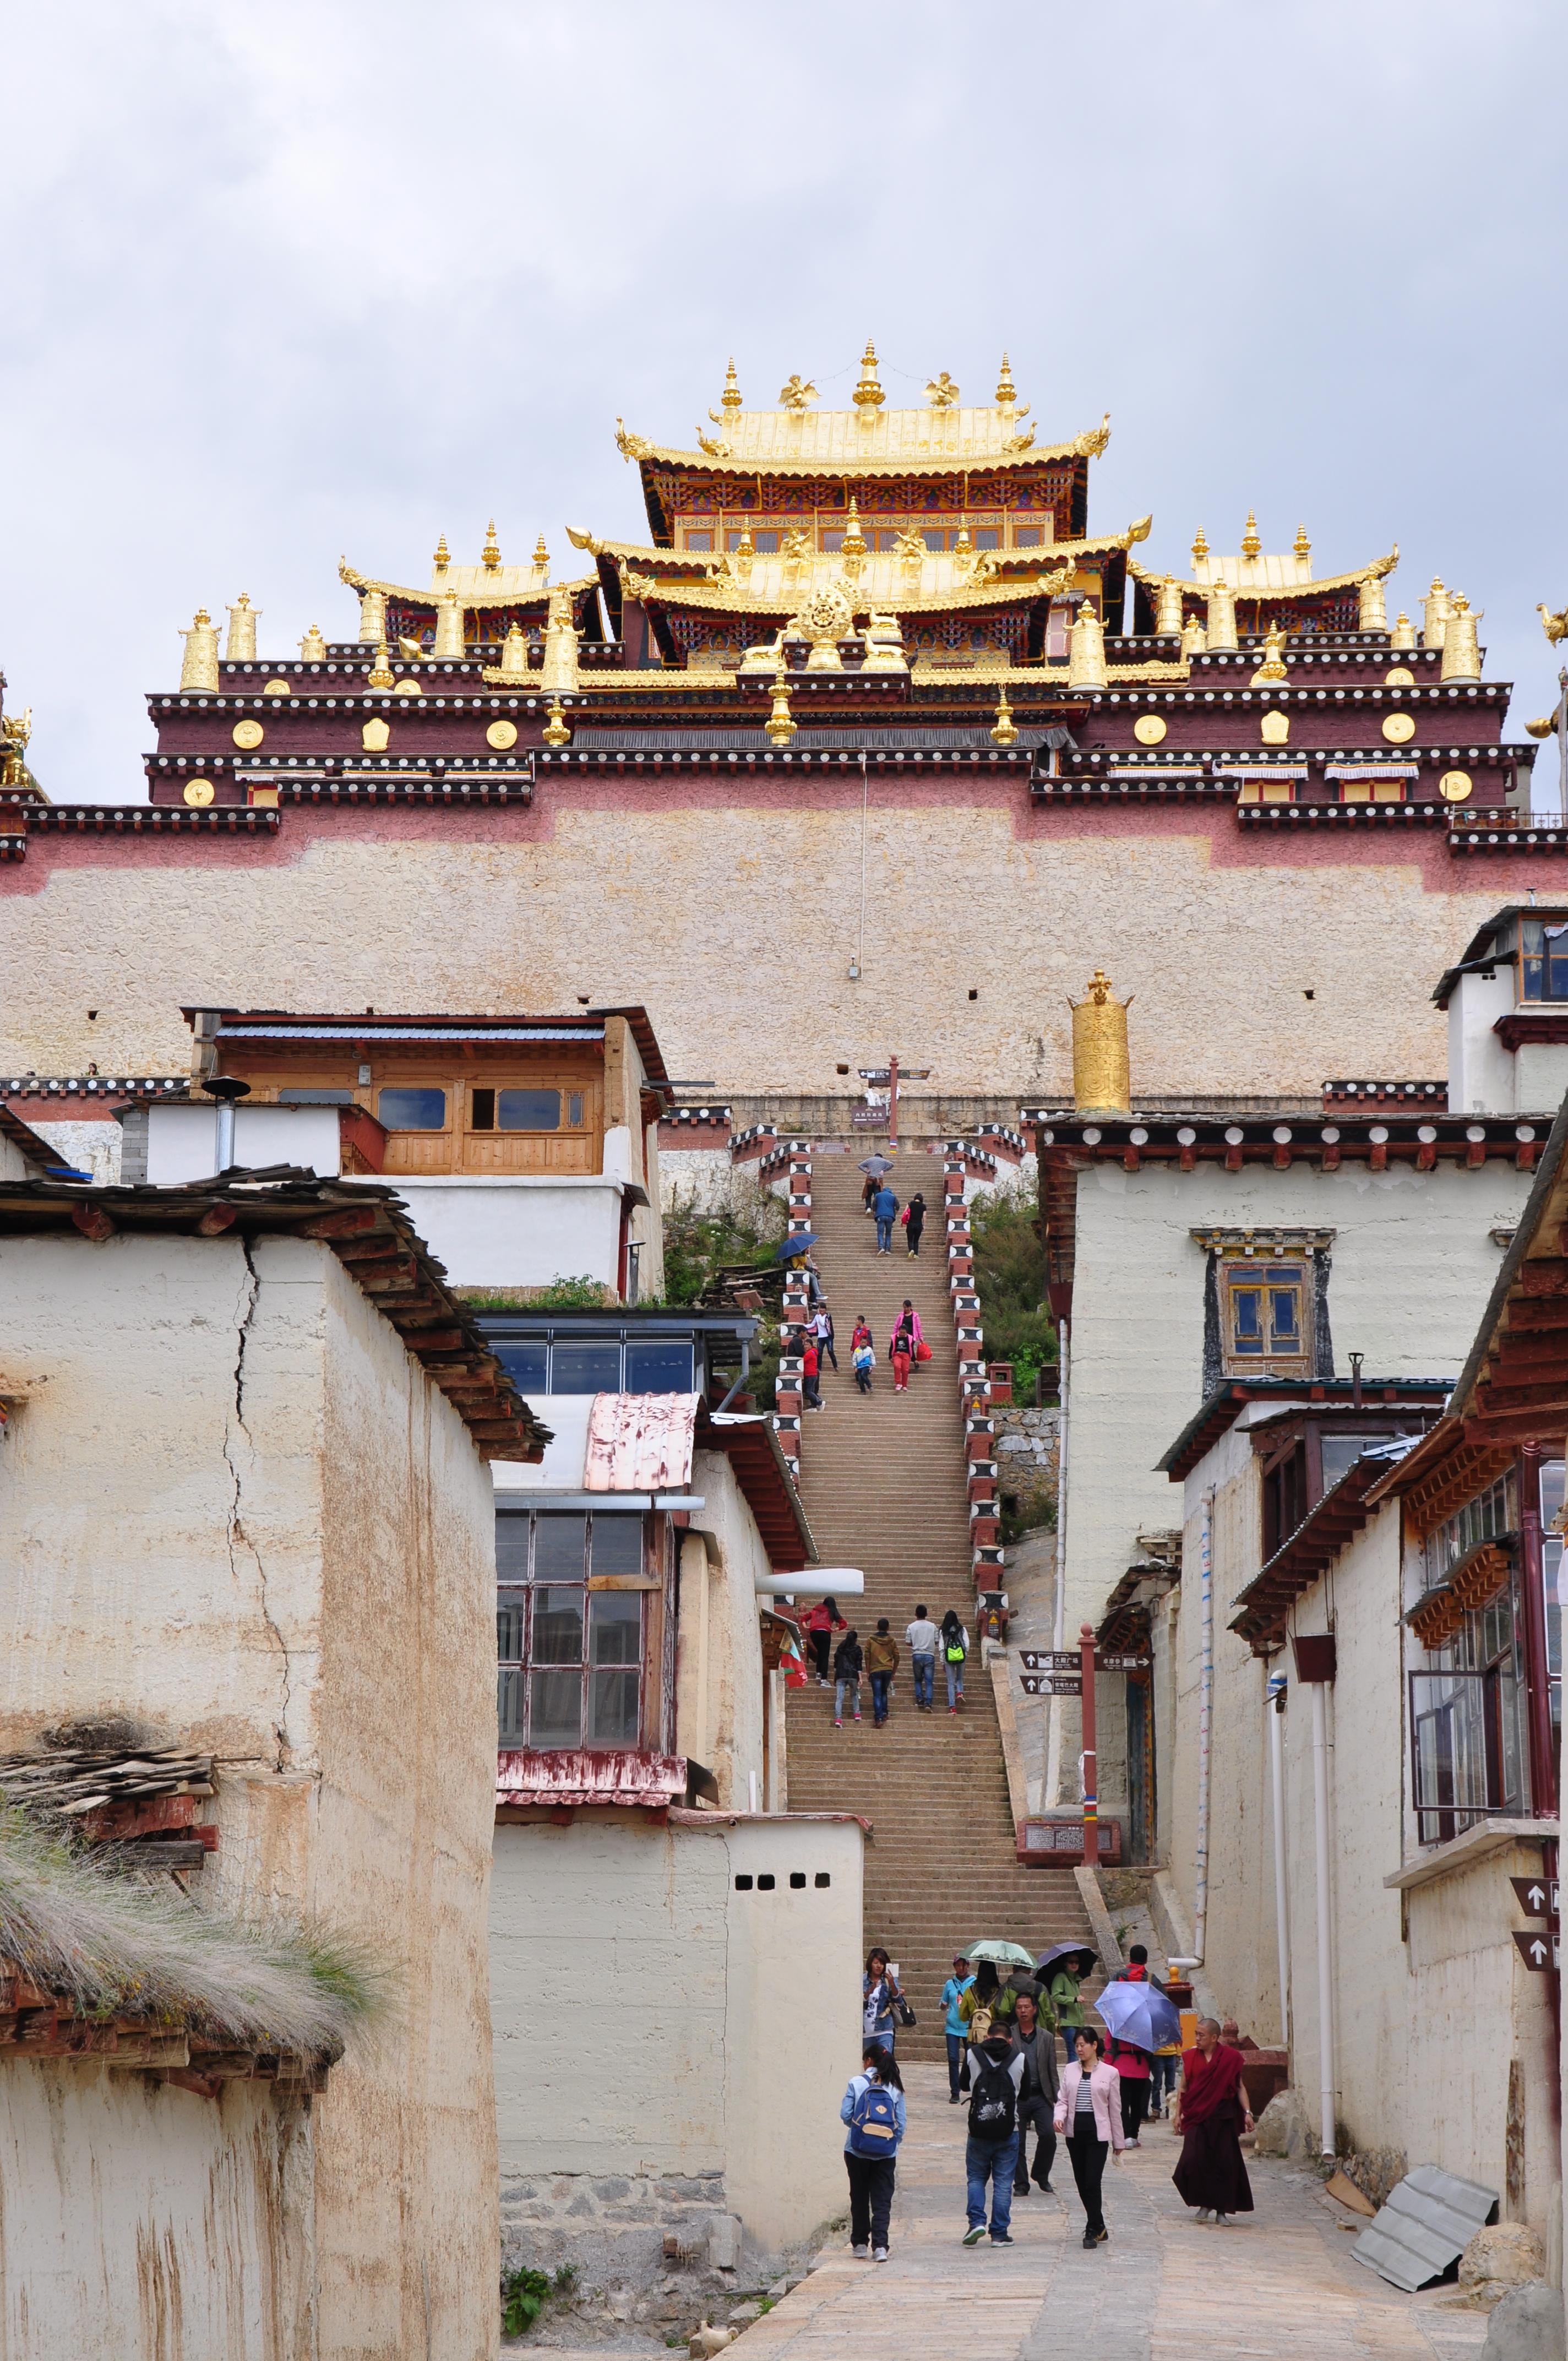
column 990, row 2153
column 1089, row 2112
column 873, row 2110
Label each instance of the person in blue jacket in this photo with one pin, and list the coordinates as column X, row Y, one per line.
column 957, row 2031
column 884, row 1205
column 874, row 2111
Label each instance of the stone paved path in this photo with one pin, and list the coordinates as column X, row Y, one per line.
column 1280, row 2286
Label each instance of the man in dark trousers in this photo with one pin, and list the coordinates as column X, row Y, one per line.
column 884, row 1205
column 1036, row 2045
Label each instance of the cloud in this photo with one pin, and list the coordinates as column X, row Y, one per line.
column 289, row 281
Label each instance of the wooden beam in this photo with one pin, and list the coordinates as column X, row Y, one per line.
column 346, row 1222
column 93, row 1222
column 216, row 1219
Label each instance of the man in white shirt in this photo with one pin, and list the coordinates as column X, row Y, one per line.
column 923, row 1640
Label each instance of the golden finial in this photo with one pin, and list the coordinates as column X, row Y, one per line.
column 868, row 394
column 442, row 557
column 1435, row 612
column 1194, row 636
column 855, row 545
column 491, row 555
column 780, row 723
column 1273, row 664
column 1461, row 648
column 241, row 646
column 1006, row 393
column 199, row 669
column 941, row 392
column 1200, row 547
column 380, row 673
column 313, row 647
column 1004, row 729
column 557, row 732
column 730, row 397
column 1251, row 544
column 796, row 392
column 1167, row 622
column 1403, row 635
column 1301, row 546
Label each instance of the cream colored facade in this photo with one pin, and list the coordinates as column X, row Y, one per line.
column 672, row 2047
column 1431, row 2000
column 1219, row 937
column 231, row 1506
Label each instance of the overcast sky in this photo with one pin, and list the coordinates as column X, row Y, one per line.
column 285, row 281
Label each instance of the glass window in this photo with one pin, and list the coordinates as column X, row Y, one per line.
column 1543, row 945
column 1266, row 1313
column 1340, row 1453
column 699, row 540
column 526, row 1364
column 411, row 1110
column 987, row 536
column 658, row 1365
column 529, row 1110
column 1026, row 536
column 833, row 541
column 617, row 1546
column 592, row 1366
column 933, row 538
column 560, row 1547
column 569, row 1660
column 482, row 1110
column 1553, row 1571
column 1491, row 1514
column 575, row 1110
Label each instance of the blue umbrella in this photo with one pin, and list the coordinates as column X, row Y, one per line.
column 1139, row 2014
column 795, row 1245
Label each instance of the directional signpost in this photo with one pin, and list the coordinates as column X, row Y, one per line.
column 1537, row 1896
column 1069, row 1672
column 1540, row 1951
column 1051, row 1684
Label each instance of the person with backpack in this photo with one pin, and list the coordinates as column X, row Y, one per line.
column 848, row 1664
column 882, row 1662
column 988, row 2004
column 955, row 1649
column 1089, row 2111
column 874, row 2109
column 991, row 2152
column 884, row 1205
column 820, row 1625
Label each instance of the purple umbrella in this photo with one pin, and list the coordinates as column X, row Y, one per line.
column 1064, row 1951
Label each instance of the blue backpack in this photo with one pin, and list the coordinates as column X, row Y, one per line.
column 873, row 2123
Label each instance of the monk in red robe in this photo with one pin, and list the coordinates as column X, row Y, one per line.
column 1211, row 2113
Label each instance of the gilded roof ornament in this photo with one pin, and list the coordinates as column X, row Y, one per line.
column 1273, row 665
column 1006, row 394
column 579, row 541
column 869, row 395
column 1102, row 1073
column 780, row 723
column 313, row 647
column 941, row 392
column 629, row 446
column 199, row 668
column 491, row 555
column 1301, row 546
column 1004, row 729
column 556, row 731
column 442, row 557
column 1092, row 443
column 380, row 673
column 910, row 549
column 1199, row 549
column 730, row 397
column 1554, row 626
column 1403, row 635
column 1461, row 648
column 241, row 644
column 855, row 545
column 1251, row 544
column 797, row 393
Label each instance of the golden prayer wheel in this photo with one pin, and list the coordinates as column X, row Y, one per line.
column 1102, row 1069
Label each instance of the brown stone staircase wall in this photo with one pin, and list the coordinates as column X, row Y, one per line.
column 886, row 1486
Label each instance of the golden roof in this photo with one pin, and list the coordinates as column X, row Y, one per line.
column 1265, row 575
column 781, row 584
column 866, row 441
column 473, row 586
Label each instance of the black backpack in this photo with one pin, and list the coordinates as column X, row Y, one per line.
column 993, row 2107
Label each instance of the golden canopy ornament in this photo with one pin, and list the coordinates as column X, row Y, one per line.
column 941, row 392
column 1554, row 626
column 1101, row 1068
column 797, row 393
column 1004, row 729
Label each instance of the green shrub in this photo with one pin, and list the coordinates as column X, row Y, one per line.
column 747, row 1226
column 524, row 2295
column 1010, row 1279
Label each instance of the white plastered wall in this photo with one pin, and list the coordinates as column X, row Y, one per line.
column 735, row 2026
column 719, row 1661
column 233, row 1507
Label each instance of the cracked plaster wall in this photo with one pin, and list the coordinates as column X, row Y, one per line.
column 233, row 1507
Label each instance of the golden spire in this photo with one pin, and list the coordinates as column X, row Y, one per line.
column 855, row 545
column 780, row 723
column 1006, row 392
column 1273, row 664
column 541, row 564
column 557, row 732
column 491, row 555
column 1251, row 544
column 1301, row 546
column 730, row 397
column 380, row 673
column 868, row 394
column 1200, row 547
column 1004, row 729
column 442, row 557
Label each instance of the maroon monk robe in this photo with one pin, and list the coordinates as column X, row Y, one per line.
column 1211, row 2172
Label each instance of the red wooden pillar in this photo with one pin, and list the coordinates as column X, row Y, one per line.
column 1091, row 1766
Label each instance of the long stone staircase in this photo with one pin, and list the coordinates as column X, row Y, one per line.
column 883, row 1484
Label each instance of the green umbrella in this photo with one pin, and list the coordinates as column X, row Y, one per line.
column 1005, row 1954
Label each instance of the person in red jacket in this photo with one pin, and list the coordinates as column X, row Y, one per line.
column 810, row 1366
column 820, row 1625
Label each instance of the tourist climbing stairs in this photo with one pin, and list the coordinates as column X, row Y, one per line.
column 884, row 1486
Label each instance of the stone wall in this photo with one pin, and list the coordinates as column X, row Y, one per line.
column 1028, row 1445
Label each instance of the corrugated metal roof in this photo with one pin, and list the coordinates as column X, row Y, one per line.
column 1428, row 2221
column 640, row 1442
column 353, row 1029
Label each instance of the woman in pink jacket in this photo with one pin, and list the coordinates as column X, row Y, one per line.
column 903, row 1345
column 1089, row 2112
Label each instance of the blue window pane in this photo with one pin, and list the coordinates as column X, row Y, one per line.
column 1282, row 1311
column 528, row 1110
column 526, row 1364
column 591, row 1368
column 659, row 1365
column 407, row 1110
column 1247, row 1305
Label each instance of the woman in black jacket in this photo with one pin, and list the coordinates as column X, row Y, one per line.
column 914, row 1225
column 848, row 1666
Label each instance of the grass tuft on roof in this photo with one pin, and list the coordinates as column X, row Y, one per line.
column 114, row 1943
